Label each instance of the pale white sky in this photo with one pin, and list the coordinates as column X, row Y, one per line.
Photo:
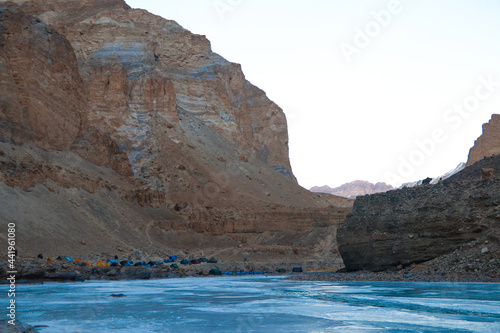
column 369, row 87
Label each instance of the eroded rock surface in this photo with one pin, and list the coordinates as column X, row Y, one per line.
column 43, row 98
column 413, row 225
column 121, row 130
column 488, row 144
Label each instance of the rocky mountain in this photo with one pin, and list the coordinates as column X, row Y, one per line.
column 488, row 143
column 354, row 189
column 456, row 218
column 122, row 131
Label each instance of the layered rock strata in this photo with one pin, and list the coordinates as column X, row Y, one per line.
column 122, row 131
column 412, row 225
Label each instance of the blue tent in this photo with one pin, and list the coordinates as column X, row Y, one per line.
column 184, row 262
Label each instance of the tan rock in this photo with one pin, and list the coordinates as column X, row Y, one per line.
column 138, row 65
column 139, row 115
column 43, row 96
column 488, row 143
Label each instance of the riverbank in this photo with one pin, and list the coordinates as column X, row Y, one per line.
column 459, row 266
column 398, row 276
column 36, row 270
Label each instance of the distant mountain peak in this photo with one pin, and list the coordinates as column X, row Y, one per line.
column 354, row 189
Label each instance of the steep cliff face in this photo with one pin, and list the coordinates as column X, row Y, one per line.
column 417, row 224
column 147, row 136
column 43, row 97
column 167, row 100
column 138, row 65
column 354, row 189
column 488, row 144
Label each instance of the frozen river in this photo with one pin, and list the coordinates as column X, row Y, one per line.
column 263, row 304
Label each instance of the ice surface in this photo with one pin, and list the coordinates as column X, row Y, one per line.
column 259, row 304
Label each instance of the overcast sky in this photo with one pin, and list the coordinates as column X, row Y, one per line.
column 377, row 90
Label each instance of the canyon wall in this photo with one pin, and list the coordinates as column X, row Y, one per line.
column 122, row 130
column 411, row 225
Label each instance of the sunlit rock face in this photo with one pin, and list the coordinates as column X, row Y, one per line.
column 138, row 66
column 488, row 144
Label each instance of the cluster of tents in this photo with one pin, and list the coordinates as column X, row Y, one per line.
column 198, row 261
column 115, row 262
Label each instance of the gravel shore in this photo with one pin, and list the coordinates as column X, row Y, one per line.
column 399, row 276
column 459, row 266
column 465, row 265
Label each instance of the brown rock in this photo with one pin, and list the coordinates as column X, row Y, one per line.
column 488, row 143
column 487, row 173
column 243, row 158
column 132, row 77
column 43, row 96
column 133, row 125
column 442, row 217
column 100, row 149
